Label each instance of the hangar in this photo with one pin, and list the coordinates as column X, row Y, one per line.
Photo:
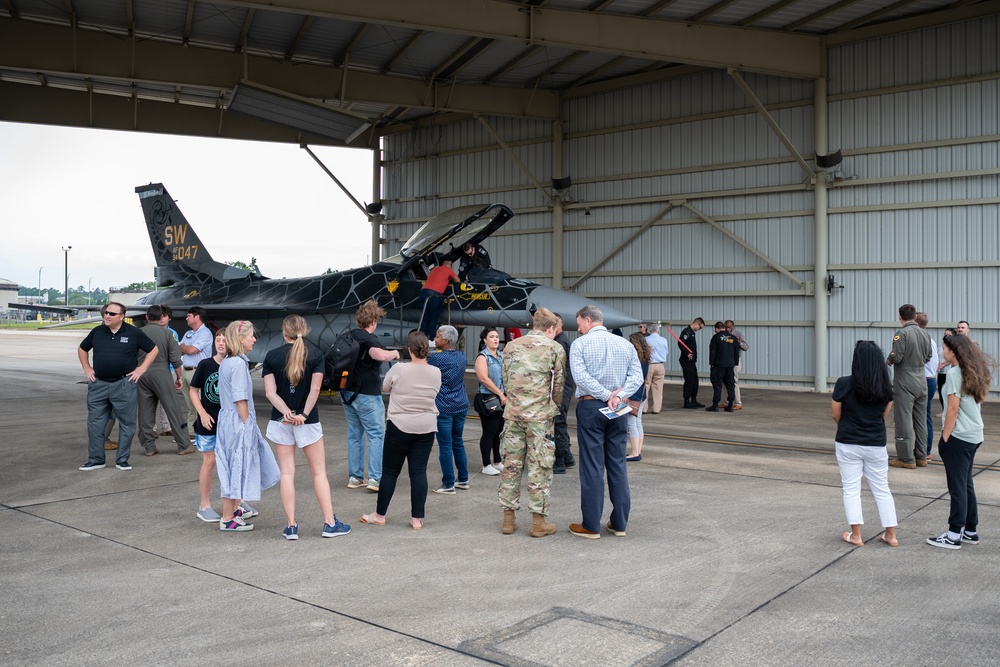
column 800, row 166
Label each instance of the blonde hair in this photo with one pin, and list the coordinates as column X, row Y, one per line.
column 369, row 312
column 236, row 330
column 294, row 327
column 543, row 319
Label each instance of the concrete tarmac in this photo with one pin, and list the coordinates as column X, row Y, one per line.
column 733, row 554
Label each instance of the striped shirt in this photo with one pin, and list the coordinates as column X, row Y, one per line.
column 602, row 363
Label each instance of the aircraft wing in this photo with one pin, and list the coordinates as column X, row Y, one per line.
column 59, row 310
column 73, row 323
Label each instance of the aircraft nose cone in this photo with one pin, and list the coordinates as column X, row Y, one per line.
column 567, row 305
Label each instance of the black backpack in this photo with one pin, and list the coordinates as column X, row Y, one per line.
column 340, row 361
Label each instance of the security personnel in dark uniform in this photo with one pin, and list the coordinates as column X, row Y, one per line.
column 688, row 346
column 723, row 356
column 564, row 456
column 911, row 349
column 474, row 260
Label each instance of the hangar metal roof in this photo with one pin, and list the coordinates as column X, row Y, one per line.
column 392, row 63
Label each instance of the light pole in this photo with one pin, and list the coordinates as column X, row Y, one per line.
column 66, row 269
column 40, row 280
column 90, row 292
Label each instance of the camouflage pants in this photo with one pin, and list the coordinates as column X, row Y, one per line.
column 528, row 443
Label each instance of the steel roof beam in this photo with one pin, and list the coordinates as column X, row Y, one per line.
column 394, row 58
column 299, row 36
column 815, row 16
column 767, row 11
column 188, row 18
column 671, row 41
column 45, row 48
column 928, row 20
column 241, row 44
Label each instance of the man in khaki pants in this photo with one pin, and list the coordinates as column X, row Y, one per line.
column 744, row 346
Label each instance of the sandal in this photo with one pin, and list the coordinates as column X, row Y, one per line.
column 847, row 538
column 884, row 540
column 416, row 524
column 370, row 520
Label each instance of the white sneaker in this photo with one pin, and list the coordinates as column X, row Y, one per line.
column 490, row 470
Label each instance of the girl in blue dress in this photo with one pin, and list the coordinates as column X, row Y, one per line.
column 243, row 458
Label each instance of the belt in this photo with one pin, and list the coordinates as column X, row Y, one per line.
column 655, row 363
column 586, row 397
column 189, row 368
column 120, row 377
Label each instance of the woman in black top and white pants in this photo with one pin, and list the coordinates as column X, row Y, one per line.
column 861, row 401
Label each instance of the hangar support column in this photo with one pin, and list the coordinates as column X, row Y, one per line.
column 376, row 197
column 557, row 207
column 822, row 242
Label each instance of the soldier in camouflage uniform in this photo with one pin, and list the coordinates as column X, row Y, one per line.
column 534, row 368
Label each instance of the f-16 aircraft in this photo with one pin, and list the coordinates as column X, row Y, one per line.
column 191, row 277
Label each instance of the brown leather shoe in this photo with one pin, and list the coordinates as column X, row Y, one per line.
column 619, row 533
column 737, row 407
column 110, row 444
column 896, row 463
column 921, row 463
column 578, row 530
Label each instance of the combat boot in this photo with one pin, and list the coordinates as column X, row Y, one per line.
column 690, row 405
column 729, row 408
column 540, row 527
column 559, row 467
column 509, row 523
column 571, row 462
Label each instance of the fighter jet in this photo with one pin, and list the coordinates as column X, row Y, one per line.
column 189, row 277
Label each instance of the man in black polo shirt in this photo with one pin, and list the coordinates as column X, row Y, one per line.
column 112, row 381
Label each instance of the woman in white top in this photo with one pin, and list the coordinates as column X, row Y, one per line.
column 965, row 387
column 411, row 423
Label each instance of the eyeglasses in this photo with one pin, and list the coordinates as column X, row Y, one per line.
column 108, row 313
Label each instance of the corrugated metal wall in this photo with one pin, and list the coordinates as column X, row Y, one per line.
column 913, row 212
column 917, row 221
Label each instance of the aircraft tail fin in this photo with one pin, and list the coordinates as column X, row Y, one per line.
column 180, row 254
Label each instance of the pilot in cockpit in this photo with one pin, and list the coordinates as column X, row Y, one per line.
column 475, row 266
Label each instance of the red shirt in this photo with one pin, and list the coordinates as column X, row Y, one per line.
column 438, row 279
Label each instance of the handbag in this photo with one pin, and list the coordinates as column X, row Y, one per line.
column 634, row 405
column 487, row 404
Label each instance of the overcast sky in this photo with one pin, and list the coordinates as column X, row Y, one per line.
column 76, row 187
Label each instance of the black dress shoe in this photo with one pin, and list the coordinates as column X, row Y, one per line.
column 690, row 406
column 698, row 405
column 712, row 408
column 729, row 408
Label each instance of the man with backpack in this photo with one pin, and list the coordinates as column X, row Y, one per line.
column 362, row 398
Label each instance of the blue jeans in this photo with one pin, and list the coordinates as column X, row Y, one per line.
column 432, row 311
column 931, row 388
column 365, row 417
column 452, row 447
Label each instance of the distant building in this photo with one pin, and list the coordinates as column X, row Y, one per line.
column 126, row 297
column 8, row 293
